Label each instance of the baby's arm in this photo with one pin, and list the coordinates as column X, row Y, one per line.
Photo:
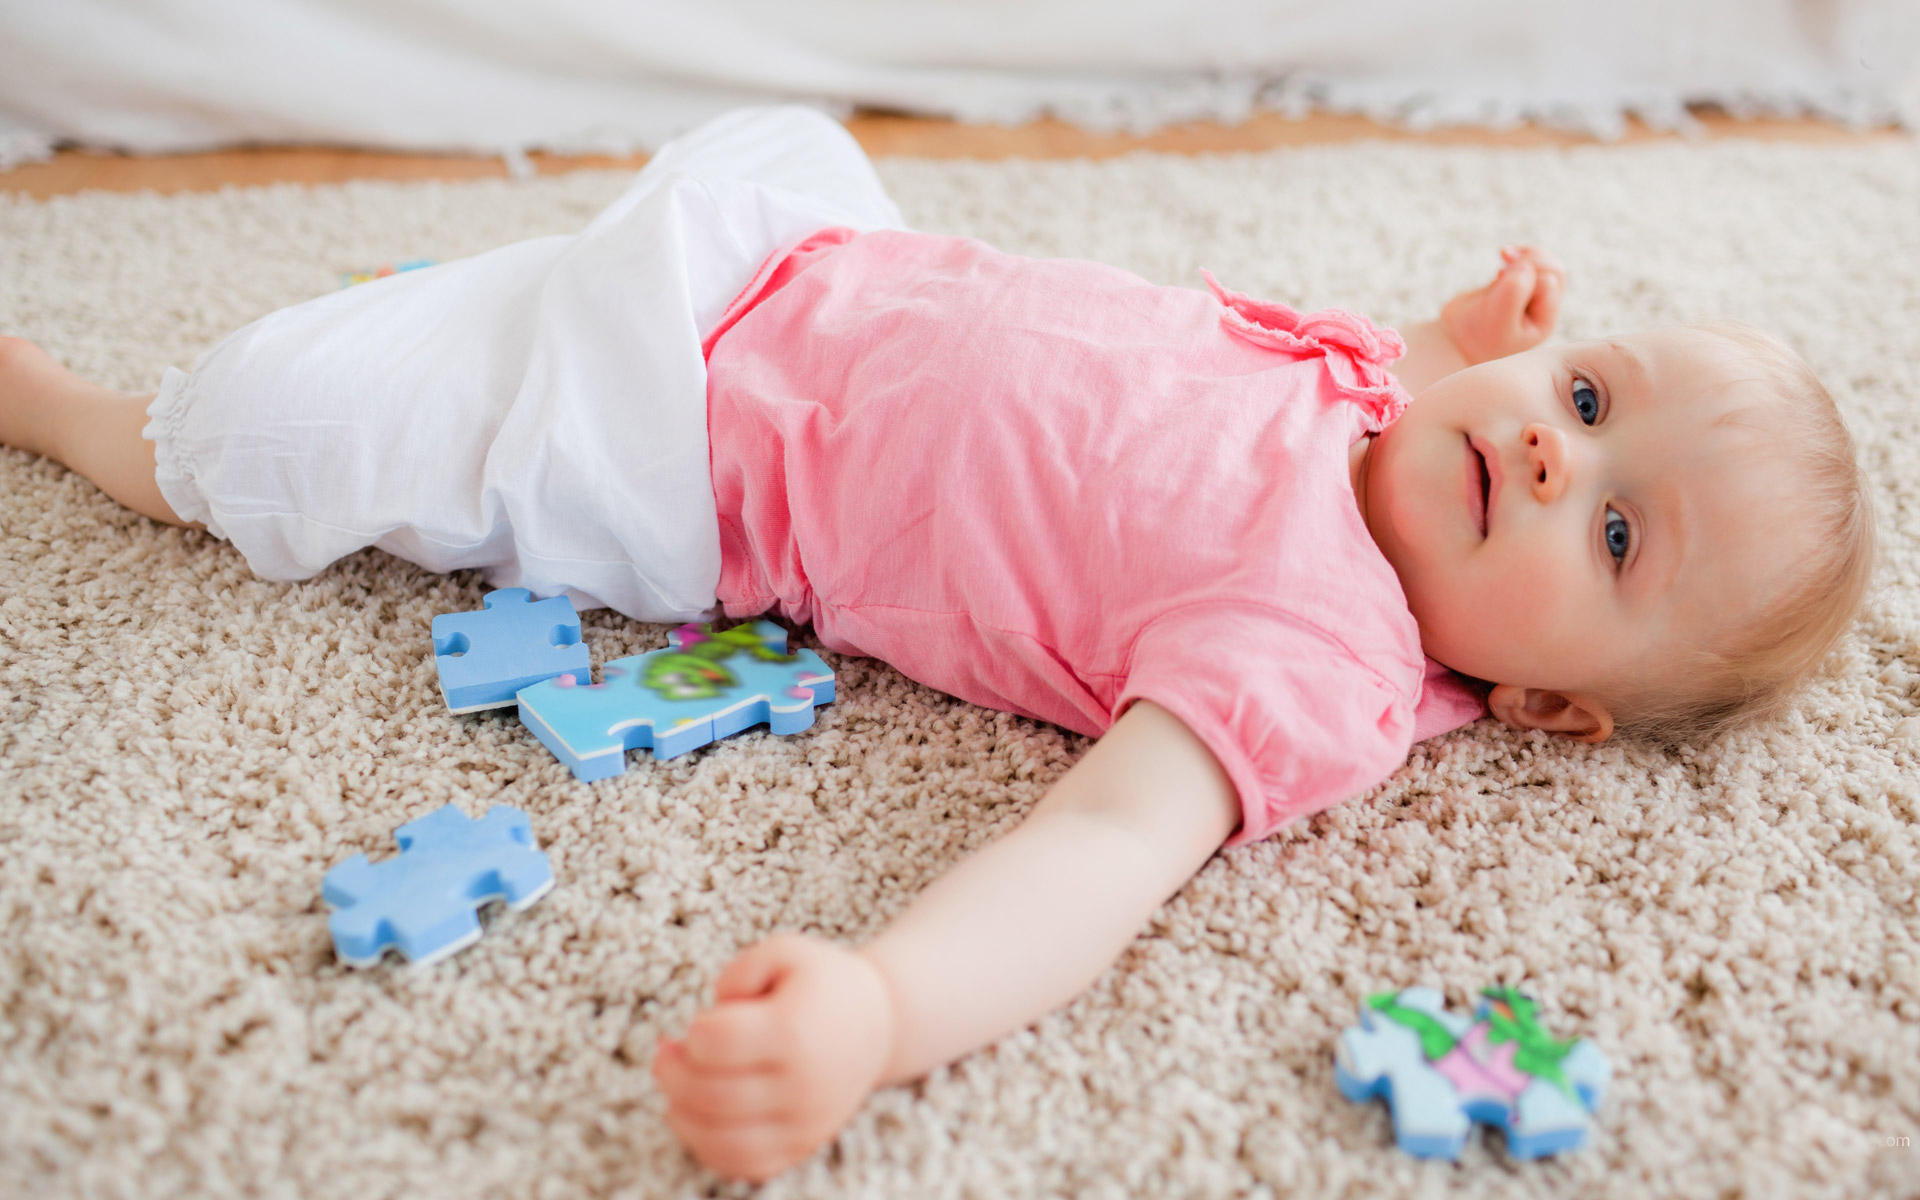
column 803, row 1029
column 1513, row 313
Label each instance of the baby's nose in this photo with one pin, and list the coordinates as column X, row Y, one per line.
column 1546, row 461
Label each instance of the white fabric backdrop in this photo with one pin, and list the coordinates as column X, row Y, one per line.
column 606, row 75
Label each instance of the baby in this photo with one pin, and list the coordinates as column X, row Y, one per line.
column 1220, row 534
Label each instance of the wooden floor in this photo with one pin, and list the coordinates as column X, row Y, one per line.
column 74, row 171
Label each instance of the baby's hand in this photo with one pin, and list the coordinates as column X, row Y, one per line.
column 1513, row 313
column 798, row 1036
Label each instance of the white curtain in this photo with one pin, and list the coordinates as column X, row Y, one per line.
column 505, row 76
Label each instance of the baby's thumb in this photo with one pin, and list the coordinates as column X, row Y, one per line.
column 756, row 971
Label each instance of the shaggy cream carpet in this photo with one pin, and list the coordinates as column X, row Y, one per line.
column 186, row 750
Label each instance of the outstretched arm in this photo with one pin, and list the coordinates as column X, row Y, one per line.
column 1515, row 312
column 802, row 1029
column 1024, row 926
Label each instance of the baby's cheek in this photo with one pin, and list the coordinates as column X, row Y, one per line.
column 1539, row 601
column 1512, row 613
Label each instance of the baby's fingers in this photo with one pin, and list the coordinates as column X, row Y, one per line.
column 1543, row 310
column 755, row 1150
column 759, row 968
column 1542, row 260
column 738, row 1035
column 715, row 1094
column 1510, row 294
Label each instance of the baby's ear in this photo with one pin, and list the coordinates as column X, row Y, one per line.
column 1582, row 718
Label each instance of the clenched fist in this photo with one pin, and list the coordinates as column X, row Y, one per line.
column 799, row 1034
column 1513, row 313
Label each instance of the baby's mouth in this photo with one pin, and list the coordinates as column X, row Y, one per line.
column 1478, row 484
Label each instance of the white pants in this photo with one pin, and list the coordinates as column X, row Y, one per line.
column 537, row 412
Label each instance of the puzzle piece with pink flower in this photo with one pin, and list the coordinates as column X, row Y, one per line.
column 704, row 686
column 1440, row 1072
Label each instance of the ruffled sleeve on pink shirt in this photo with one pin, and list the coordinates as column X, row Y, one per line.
column 1308, row 727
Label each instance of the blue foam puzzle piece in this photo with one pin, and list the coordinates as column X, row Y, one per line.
column 702, row 687
column 485, row 657
column 425, row 901
column 1431, row 1115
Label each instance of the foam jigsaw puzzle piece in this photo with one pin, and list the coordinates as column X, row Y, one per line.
column 1440, row 1072
column 424, row 902
column 1380, row 1058
column 701, row 688
column 485, row 657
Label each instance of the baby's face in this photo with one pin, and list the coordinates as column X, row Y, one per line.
column 1566, row 518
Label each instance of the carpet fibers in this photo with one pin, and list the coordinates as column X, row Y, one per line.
column 186, row 749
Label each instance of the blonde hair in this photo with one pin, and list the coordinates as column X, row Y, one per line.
column 1752, row 673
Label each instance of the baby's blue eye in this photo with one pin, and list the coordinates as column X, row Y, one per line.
column 1586, row 401
column 1619, row 536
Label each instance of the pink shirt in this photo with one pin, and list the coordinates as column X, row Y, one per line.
column 1050, row 487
